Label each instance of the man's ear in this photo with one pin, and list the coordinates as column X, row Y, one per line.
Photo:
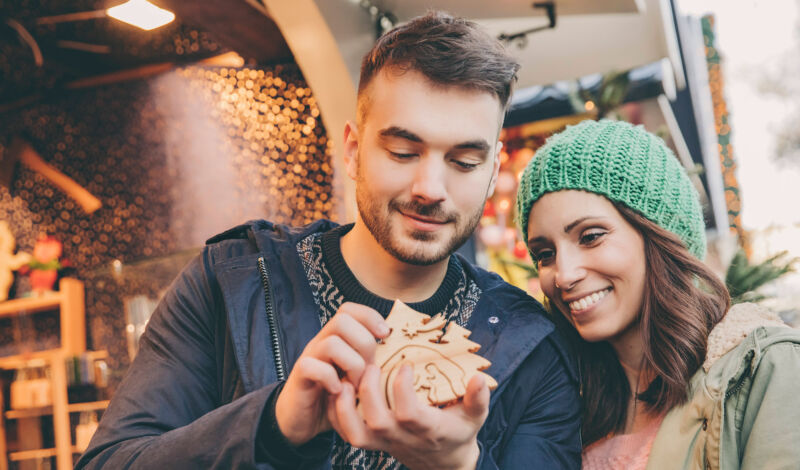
column 351, row 149
column 495, row 169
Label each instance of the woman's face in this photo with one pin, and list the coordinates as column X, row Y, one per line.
column 591, row 262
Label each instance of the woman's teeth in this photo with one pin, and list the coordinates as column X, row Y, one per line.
column 588, row 301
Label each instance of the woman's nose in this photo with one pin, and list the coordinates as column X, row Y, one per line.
column 569, row 269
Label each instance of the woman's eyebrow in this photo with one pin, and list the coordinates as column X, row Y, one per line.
column 567, row 228
column 570, row 226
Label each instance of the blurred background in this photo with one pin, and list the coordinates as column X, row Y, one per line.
column 132, row 131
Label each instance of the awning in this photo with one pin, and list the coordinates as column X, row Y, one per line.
column 537, row 103
column 585, row 44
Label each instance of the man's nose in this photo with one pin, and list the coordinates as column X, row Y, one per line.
column 429, row 183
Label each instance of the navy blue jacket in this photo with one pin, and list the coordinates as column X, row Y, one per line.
column 194, row 396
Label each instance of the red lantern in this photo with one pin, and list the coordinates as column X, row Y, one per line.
column 520, row 250
column 43, row 280
column 488, row 209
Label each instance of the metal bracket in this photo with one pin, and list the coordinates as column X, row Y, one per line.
column 521, row 38
column 382, row 20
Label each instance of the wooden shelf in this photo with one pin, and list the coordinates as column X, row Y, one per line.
column 31, row 454
column 68, row 303
column 37, row 454
column 29, row 412
column 49, row 301
column 47, row 410
column 88, row 406
column 19, row 361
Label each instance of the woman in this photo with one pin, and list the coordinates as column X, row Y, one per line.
column 672, row 375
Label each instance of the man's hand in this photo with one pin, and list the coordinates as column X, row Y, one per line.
column 418, row 435
column 342, row 349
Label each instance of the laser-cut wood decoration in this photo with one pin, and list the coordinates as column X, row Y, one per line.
column 9, row 261
column 443, row 364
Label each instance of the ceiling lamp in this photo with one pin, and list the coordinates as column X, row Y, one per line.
column 142, row 14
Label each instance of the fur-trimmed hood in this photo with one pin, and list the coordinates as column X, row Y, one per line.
column 739, row 322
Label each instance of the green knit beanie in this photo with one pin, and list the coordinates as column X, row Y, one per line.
column 624, row 163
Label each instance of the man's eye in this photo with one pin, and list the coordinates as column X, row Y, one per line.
column 402, row 155
column 465, row 165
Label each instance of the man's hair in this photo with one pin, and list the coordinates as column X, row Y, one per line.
column 448, row 51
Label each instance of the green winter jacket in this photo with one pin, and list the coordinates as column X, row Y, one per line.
column 743, row 410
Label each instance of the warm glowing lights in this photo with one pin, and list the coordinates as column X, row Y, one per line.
column 589, row 105
column 504, row 205
column 723, row 128
column 142, row 14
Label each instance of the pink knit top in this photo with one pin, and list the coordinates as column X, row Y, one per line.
column 623, row 451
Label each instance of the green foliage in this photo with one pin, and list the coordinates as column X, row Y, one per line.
column 743, row 279
column 530, row 269
column 608, row 96
column 52, row 265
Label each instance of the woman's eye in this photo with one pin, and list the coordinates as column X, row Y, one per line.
column 544, row 256
column 588, row 238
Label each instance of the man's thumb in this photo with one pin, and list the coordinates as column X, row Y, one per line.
column 476, row 400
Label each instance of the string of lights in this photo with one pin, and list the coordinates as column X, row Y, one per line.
column 723, row 130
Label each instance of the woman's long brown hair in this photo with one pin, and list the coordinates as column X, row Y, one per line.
column 683, row 301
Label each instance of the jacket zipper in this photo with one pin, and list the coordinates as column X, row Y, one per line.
column 737, row 387
column 273, row 322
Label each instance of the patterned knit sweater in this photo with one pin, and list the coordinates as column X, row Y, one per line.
column 333, row 283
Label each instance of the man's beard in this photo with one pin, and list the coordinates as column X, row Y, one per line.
column 378, row 220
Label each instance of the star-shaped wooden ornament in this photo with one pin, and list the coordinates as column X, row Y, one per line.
column 443, row 362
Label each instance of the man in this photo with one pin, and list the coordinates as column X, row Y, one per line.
column 258, row 353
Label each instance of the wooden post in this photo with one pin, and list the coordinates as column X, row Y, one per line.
column 60, row 413
column 73, row 319
column 3, row 447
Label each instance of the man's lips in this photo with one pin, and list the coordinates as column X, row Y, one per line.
column 424, row 224
column 427, row 220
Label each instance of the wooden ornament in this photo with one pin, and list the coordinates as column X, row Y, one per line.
column 443, row 362
column 9, row 261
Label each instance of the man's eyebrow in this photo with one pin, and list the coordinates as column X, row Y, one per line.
column 478, row 144
column 399, row 132
column 395, row 131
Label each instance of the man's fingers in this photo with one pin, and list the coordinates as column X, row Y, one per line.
column 319, row 372
column 373, row 402
column 368, row 317
column 330, row 410
column 408, row 411
column 354, row 333
column 349, row 424
column 334, row 350
column 476, row 400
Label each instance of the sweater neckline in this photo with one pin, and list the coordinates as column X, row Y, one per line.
column 353, row 291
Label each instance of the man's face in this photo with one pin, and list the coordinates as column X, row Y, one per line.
column 424, row 160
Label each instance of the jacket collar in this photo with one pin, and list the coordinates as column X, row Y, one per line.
column 507, row 323
column 736, row 344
